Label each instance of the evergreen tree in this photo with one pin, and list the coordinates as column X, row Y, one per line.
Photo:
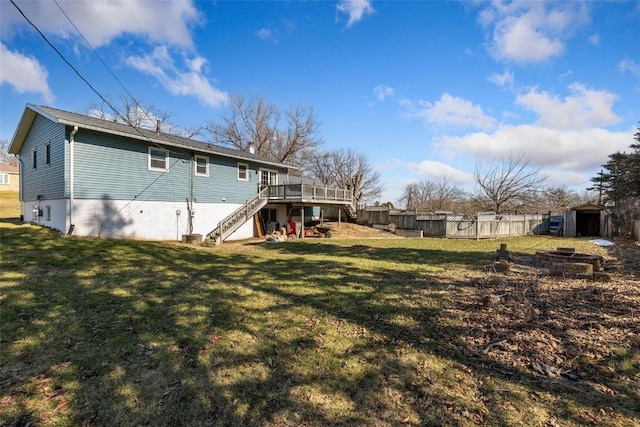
column 620, row 179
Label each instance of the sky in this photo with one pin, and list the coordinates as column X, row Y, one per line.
column 428, row 90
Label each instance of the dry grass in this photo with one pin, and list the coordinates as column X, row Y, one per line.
column 9, row 204
column 322, row 332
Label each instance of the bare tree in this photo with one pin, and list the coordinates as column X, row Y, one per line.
column 5, row 157
column 255, row 122
column 346, row 168
column 132, row 113
column 506, row 184
column 432, row 195
column 559, row 199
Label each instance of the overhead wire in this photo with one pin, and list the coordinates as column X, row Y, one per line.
column 135, row 101
column 104, row 99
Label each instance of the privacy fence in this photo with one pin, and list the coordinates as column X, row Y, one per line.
column 479, row 226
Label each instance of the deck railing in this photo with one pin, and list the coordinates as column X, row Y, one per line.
column 307, row 193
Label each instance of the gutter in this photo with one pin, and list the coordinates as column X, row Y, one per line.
column 71, row 171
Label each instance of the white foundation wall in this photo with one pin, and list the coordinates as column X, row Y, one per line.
column 135, row 219
column 54, row 213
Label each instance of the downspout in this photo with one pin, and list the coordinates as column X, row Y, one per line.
column 20, row 185
column 71, row 170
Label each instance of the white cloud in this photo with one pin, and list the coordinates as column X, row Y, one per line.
column 529, row 32
column 383, row 92
column 505, row 79
column 190, row 82
column 435, row 169
column 265, row 34
column 274, row 33
column 584, row 108
column 24, row 73
column 556, row 150
column 560, row 178
column 594, row 39
column 356, row 9
column 450, row 111
column 630, row 66
column 101, row 21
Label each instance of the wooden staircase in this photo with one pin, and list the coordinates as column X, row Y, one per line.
column 239, row 217
column 351, row 212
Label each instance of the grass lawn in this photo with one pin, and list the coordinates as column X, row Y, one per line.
column 9, row 204
column 321, row 332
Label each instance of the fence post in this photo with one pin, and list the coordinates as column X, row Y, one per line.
column 635, row 232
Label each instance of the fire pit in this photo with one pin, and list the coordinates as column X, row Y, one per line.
column 566, row 262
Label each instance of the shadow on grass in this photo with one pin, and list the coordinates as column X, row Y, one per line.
column 105, row 332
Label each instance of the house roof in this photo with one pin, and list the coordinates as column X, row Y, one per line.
column 114, row 128
column 9, row 168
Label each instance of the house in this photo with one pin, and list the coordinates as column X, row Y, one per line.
column 9, row 178
column 91, row 177
column 587, row 220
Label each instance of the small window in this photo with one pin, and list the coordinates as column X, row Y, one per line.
column 47, row 153
column 202, row 166
column 243, row 172
column 34, row 158
column 4, row 179
column 47, row 213
column 158, row 159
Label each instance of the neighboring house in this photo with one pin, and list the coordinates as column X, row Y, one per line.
column 9, row 178
column 91, row 177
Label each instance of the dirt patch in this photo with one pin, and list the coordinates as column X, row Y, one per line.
column 347, row 230
column 579, row 336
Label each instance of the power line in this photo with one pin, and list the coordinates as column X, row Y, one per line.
column 66, row 61
column 135, row 101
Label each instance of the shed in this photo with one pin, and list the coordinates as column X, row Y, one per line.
column 587, row 220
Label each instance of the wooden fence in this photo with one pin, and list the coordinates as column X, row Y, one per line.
column 479, row 226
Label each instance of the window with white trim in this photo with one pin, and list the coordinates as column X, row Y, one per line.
column 201, row 165
column 47, row 153
column 34, row 158
column 5, row 179
column 158, row 159
column 268, row 177
column 243, row 172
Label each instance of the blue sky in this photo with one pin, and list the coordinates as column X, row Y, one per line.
column 427, row 89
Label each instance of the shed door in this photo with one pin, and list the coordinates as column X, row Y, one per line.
column 569, row 223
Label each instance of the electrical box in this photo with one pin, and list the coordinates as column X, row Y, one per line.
column 178, row 212
column 193, row 212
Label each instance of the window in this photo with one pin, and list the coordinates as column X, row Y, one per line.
column 4, row 178
column 47, row 213
column 243, row 172
column 202, row 166
column 158, row 159
column 34, row 158
column 268, row 177
column 47, row 153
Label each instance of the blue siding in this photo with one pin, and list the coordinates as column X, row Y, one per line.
column 113, row 167
column 222, row 183
column 46, row 180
